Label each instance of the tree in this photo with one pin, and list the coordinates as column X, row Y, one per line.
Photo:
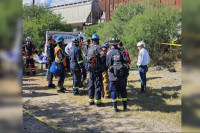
column 10, row 13
column 39, row 19
column 148, row 21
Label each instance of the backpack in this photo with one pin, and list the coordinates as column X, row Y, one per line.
column 118, row 66
column 93, row 60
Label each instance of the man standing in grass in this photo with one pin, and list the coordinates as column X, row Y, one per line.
column 143, row 61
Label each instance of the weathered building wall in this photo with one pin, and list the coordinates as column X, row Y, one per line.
column 108, row 6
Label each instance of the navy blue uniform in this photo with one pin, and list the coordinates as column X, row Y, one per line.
column 76, row 64
column 116, row 84
column 95, row 79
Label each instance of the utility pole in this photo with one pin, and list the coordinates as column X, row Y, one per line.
column 33, row 2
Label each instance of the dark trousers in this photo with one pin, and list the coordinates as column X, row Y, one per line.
column 76, row 80
column 83, row 75
column 118, row 86
column 49, row 74
column 31, row 63
column 61, row 78
column 81, row 39
column 95, row 87
column 142, row 72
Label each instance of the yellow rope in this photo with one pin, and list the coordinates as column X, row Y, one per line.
column 39, row 119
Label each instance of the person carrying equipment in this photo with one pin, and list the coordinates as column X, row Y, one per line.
column 96, row 59
column 76, row 65
column 116, row 62
column 121, row 47
column 28, row 50
column 59, row 58
column 105, row 91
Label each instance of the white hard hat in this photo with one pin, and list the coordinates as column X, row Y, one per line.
column 141, row 43
column 28, row 39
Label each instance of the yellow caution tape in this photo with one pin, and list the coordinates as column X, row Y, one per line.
column 39, row 119
column 179, row 45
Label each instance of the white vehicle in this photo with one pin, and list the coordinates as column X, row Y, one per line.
column 68, row 36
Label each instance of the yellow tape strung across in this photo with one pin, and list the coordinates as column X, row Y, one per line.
column 39, row 119
column 179, row 45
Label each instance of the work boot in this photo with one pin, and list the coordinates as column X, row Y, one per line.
column 75, row 92
column 115, row 109
column 59, row 90
column 125, row 105
column 64, row 89
column 98, row 104
column 143, row 91
column 51, row 86
column 91, row 103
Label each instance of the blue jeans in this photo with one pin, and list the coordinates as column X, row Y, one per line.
column 142, row 72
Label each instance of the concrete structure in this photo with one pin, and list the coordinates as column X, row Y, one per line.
column 80, row 14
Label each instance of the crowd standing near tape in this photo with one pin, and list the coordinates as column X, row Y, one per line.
column 107, row 67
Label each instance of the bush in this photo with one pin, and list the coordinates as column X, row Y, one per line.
column 39, row 19
column 139, row 21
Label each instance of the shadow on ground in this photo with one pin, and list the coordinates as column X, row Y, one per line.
column 153, row 99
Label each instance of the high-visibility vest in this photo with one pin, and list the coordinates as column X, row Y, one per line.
column 57, row 48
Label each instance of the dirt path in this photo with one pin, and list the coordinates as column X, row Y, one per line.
column 158, row 110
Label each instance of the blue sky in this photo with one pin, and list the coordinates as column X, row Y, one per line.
column 51, row 2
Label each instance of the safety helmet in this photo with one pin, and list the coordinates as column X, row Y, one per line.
column 75, row 40
column 59, row 39
column 114, row 40
column 80, row 44
column 95, row 36
column 106, row 45
column 28, row 39
column 141, row 43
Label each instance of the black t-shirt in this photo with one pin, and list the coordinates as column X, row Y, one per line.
column 50, row 52
column 29, row 49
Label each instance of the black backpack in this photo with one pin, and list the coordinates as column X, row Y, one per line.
column 118, row 67
column 93, row 60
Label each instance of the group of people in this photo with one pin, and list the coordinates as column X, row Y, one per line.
column 106, row 67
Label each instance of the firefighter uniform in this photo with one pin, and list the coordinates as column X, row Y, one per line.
column 76, row 64
column 95, row 80
column 28, row 51
column 117, row 84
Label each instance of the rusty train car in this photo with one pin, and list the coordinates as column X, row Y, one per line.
column 108, row 6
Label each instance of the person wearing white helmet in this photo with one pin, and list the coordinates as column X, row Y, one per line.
column 143, row 61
